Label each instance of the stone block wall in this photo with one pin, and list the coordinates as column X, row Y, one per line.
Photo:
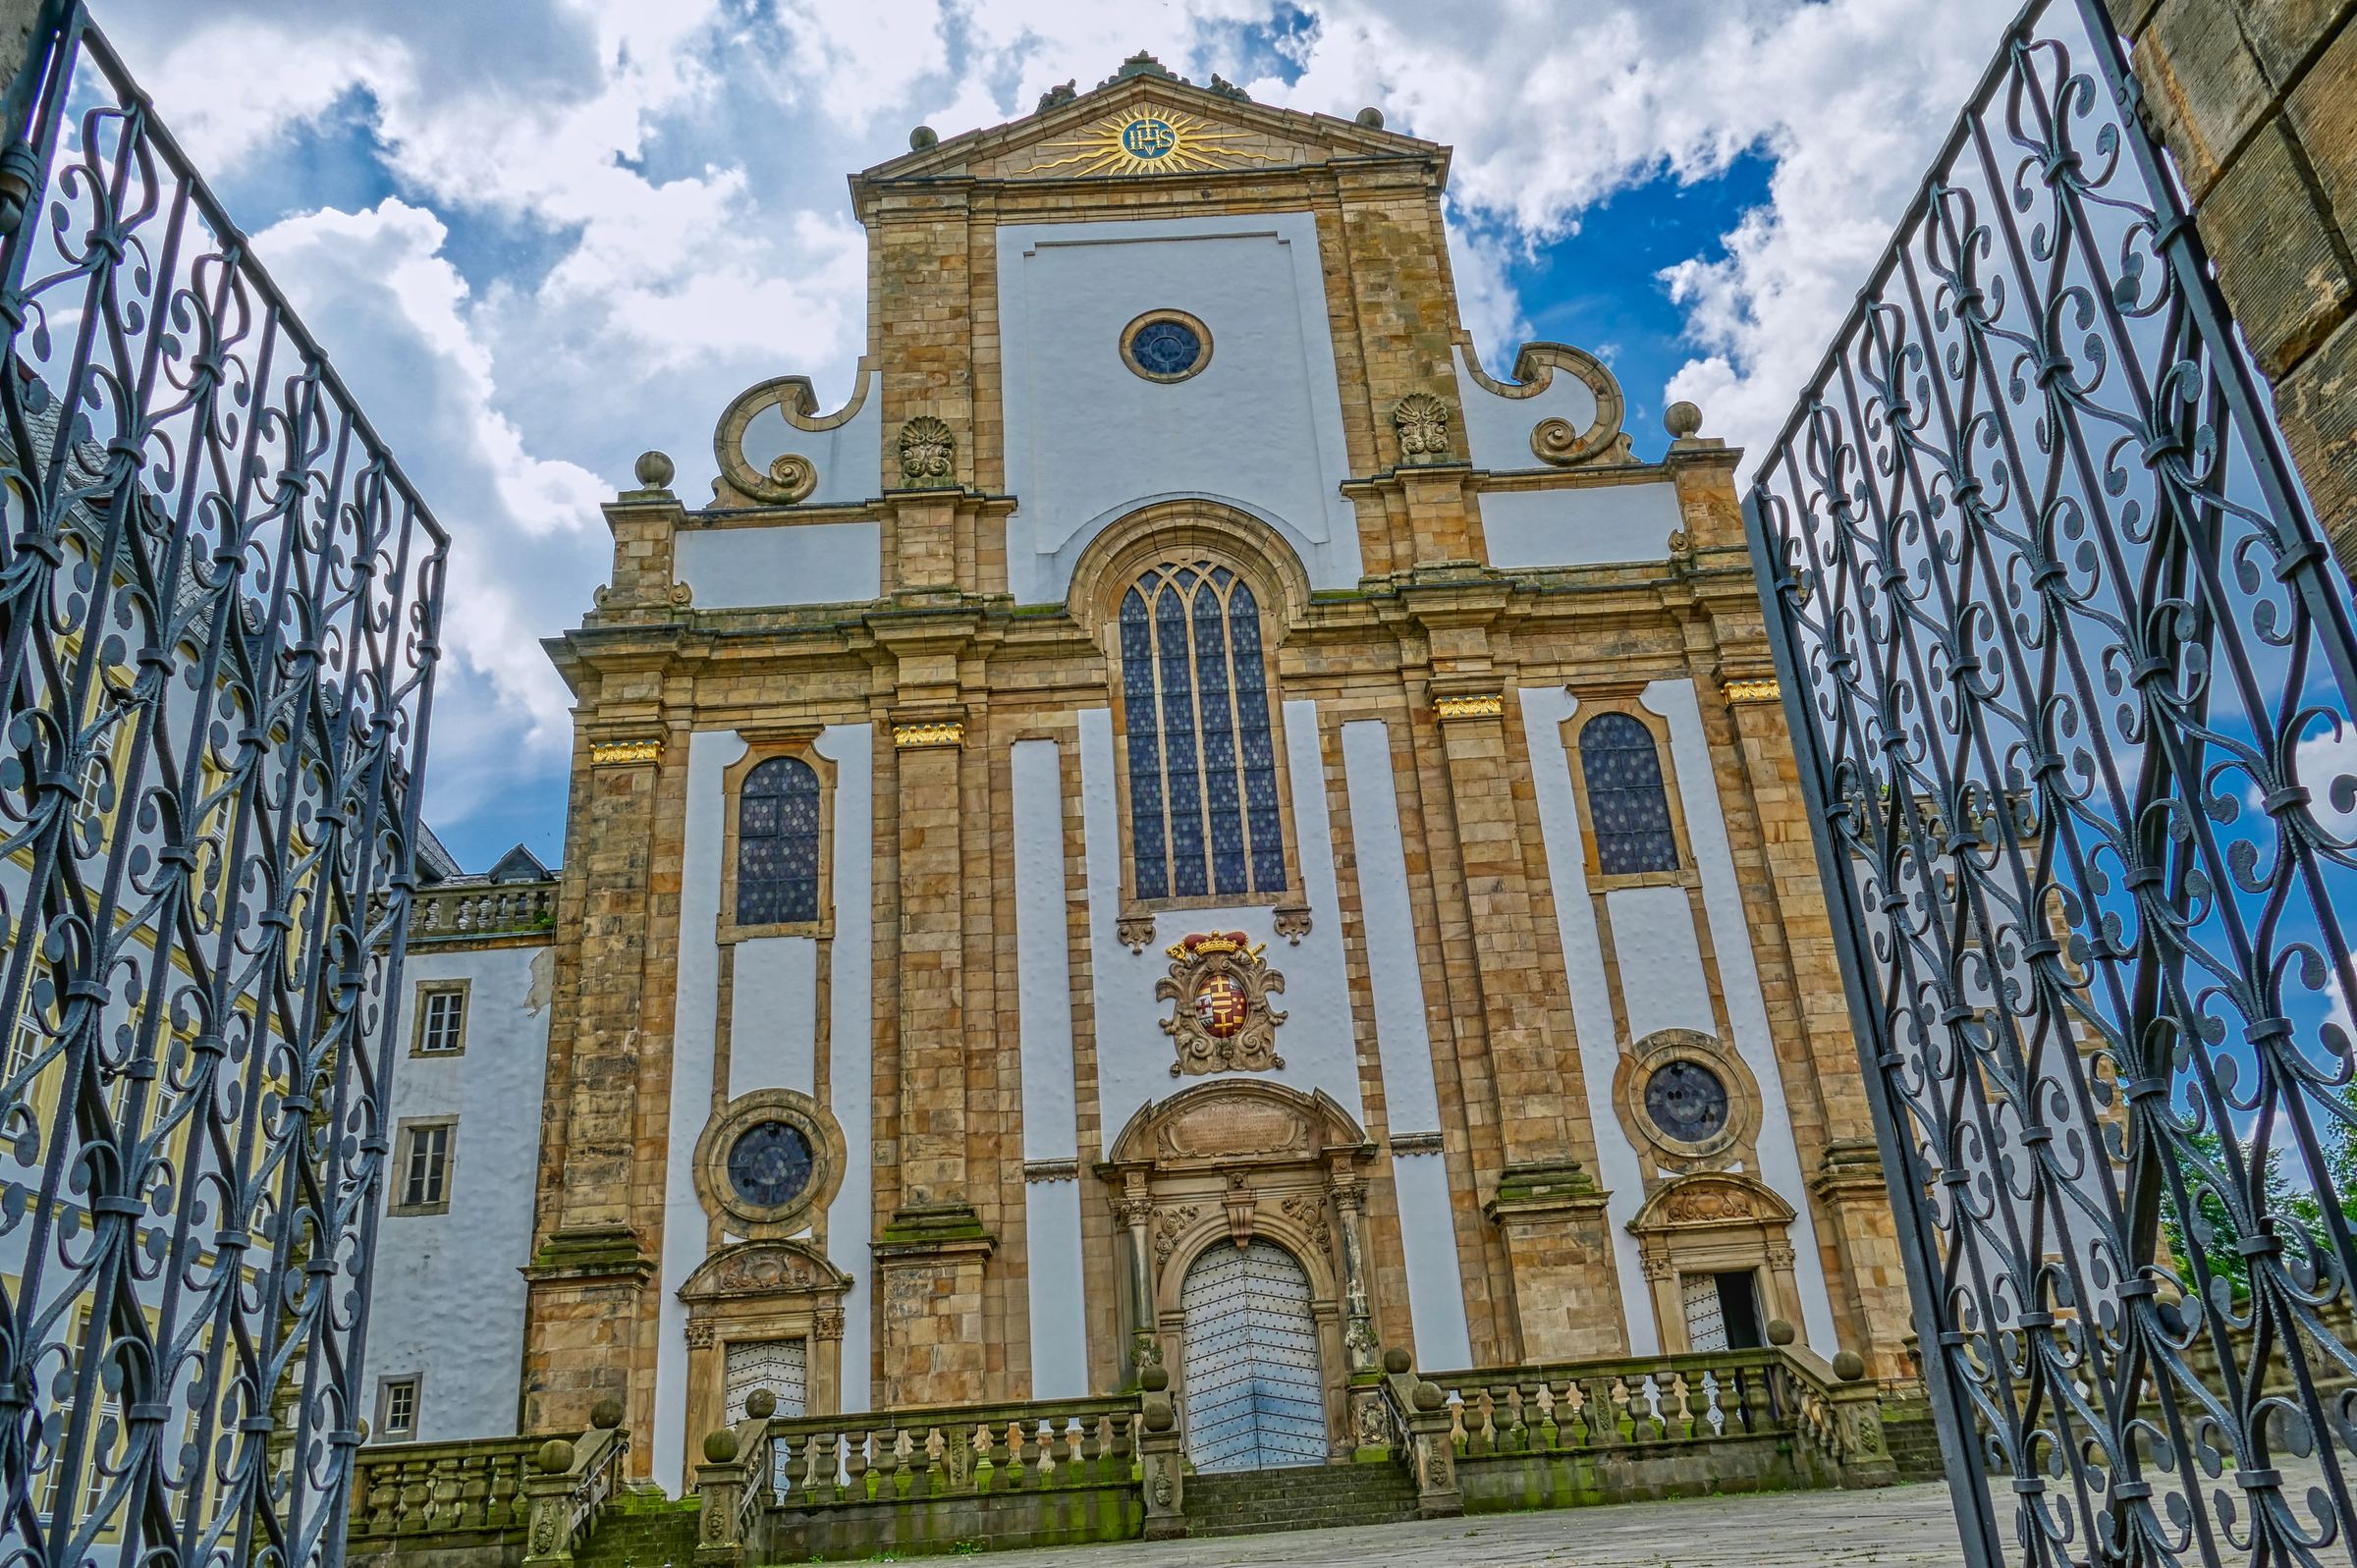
column 2257, row 101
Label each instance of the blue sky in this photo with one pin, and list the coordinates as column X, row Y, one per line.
column 544, row 235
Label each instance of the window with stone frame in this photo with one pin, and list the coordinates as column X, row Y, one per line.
column 778, row 843
column 1204, row 819
column 1628, row 803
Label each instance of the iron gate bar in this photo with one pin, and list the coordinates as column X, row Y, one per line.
column 220, row 603
column 2077, row 1175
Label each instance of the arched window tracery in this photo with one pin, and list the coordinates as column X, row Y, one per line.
column 777, row 843
column 1203, row 810
column 1628, row 804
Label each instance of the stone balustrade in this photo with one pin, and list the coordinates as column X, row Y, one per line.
column 438, row 1489
column 1660, row 1425
column 1043, row 1473
column 478, row 911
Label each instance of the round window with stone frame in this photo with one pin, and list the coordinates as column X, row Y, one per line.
column 1687, row 1094
column 768, row 1162
column 1165, row 346
column 1685, row 1099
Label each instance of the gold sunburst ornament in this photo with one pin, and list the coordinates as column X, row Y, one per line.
column 1151, row 140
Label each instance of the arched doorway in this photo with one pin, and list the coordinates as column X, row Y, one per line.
column 1254, row 1394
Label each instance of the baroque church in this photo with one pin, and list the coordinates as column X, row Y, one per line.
column 1190, row 823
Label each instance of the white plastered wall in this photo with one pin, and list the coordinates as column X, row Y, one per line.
column 772, row 1044
column 1663, row 984
column 1051, row 1126
column 448, row 1302
column 1436, row 1299
column 1088, row 440
column 1134, row 1055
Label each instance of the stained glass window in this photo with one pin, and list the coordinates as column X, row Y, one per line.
column 1626, row 801
column 1202, row 763
column 777, row 844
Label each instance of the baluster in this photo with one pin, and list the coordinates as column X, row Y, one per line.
column 381, row 1497
column 1623, row 1409
column 414, row 1490
column 810, row 1472
column 934, row 1477
column 1059, row 1449
column 1524, row 1413
column 1656, row 1426
column 1092, row 1449
column 1710, row 1393
column 1682, row 1417
column 854, row 1464
column 1025, row 1455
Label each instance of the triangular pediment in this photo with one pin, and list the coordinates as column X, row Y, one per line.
column 1145, row 127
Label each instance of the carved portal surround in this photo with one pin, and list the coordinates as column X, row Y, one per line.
column 1223, row 1163
column 759, row 1291
column 1714, row 1223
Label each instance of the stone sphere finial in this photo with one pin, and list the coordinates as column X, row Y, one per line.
column 606, row 1415
column 720, row 1446
column 1154, row 1378
column 760, row 1404
column 1681, row 420
column 1371, row 117
column 555, row 1457
column 923, row 136
column 1779, row 1332
column 1159, row 1413
column 1429, row 1397
column 1849, row 1365
column 1397, row 1360
column 654, row 470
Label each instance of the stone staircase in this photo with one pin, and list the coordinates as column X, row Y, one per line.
column 643, row 1530
column 1913, row 1439
column 1252, row 1503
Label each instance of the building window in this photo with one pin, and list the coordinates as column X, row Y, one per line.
column 397, row 1410
column 777, row 844
column 1628, row 803
column 23, row 1046
column 1203, row 815
column 441, row 1020
column 422, row 1174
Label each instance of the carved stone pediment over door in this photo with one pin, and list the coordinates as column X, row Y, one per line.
column 778, row 1305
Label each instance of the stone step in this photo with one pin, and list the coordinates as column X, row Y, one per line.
column 1249, row 1502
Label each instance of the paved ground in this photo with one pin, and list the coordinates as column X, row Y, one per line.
column 1910, row 1526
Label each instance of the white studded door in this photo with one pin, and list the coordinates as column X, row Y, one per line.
column 781, row 1366
column 1255, row 1400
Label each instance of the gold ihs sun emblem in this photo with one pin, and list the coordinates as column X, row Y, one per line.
column 1151, row 140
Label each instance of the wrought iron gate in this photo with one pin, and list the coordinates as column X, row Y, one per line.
column 219, row 602
column 2071, row 677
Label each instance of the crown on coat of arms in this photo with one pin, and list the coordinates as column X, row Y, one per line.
column 1199, row 947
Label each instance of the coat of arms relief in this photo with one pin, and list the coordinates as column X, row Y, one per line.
column 1223, row 1022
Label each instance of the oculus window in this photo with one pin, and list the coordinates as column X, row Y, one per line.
column 1627, row 800
column 1203, row 815
column 1165, row 346
column 770, row 1164
column 777, row 844
column 1686, row 1100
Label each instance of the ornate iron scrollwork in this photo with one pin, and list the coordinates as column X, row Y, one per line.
column 220, row 606
column 2073, row 680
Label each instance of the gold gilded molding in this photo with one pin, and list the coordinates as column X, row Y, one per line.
column 1490, row 706
column 602, row 751
column 908, row 737
column 1754, row 691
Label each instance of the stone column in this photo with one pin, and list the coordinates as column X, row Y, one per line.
column 1359, row 1343
column 1135, row 1209
column 1547, row 1208
column 932, row 1253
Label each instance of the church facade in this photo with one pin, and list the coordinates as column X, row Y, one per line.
column 1189, row 822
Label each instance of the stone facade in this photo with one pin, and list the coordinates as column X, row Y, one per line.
column 2257, row 101
column 1446, row 1146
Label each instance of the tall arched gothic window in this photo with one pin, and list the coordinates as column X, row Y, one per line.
column 1204, row 814
column 1627, row 804
column 777, row 843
